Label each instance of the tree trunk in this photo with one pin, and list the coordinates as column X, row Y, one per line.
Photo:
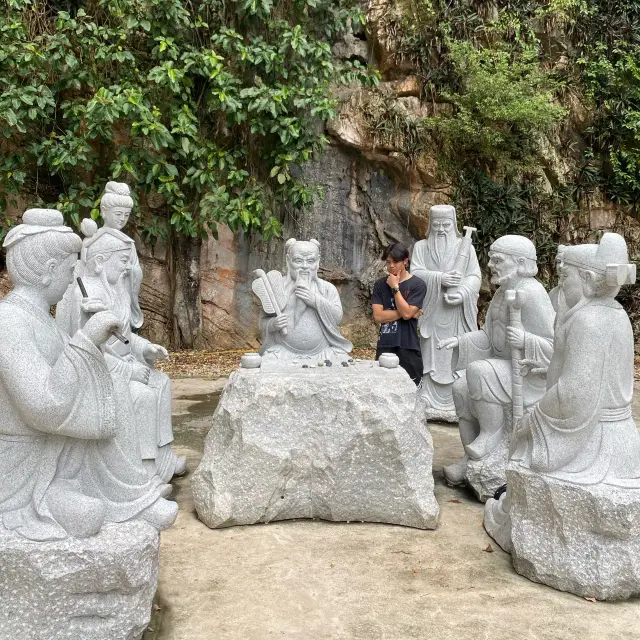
column 187, row 306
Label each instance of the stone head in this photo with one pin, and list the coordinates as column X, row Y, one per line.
column 42, row 253
column 303, row 259
column 442, row 221
column 116, row 205
column 108, row 256
column 510, row 257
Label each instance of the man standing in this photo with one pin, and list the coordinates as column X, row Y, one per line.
column 449, row 267
column 397, row 302
column 484, row 389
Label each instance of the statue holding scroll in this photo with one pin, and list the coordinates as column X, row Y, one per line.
column 301, row 311
column 483, row 394
column 448, row 265
column 68, row 453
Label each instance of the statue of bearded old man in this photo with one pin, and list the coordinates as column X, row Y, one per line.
column 483, row 393
column 448, row 265
column 305, row 326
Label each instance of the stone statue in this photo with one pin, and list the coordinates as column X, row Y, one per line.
column 483, row 394
column 68, row 453
column 301, row 311
column 573, row 481
column 448, row 265
column 109, row 265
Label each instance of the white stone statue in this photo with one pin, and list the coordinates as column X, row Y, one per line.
column 301, row 311
column 68, row 452
column 448, row 265
column 573, row 482
column 483, row 394
column 111, row 274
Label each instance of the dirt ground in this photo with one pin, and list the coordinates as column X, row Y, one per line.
column 313, row 580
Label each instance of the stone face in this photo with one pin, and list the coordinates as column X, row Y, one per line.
column 581, row 539
column 99, row 588
column 340, row 443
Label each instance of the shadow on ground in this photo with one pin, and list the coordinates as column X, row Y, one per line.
column 313, row 580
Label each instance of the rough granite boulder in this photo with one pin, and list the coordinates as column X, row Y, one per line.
column 97, row 588
column 336, row 443
column 581, row 539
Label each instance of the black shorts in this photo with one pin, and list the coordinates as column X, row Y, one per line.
column 410, row 361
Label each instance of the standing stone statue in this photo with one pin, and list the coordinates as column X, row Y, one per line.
column 448, row 265
column 483, row 394
column 111, row 274
column 66, row 454
column 571, row 515
column 301, row 311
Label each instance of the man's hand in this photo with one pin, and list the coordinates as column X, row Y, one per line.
column 93, row 305
column 393, row 281
column 453, row 299
column 278, row 323
column 451, row 278
column 306, row 295
column 100, row 326
column 515, row 337
column 140, row 373
column 153, row 352
column 448, row 343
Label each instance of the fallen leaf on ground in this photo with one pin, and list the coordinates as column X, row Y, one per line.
column 455, row 501
column 590, row 599
column 489, row 549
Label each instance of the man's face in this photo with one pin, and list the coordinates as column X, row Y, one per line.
column 116, row 265
column 503, row 267
column 393, row 267
column 116, row 217
column 61, row 278
column 572, row 284
column 304, row 263
column 441, row 227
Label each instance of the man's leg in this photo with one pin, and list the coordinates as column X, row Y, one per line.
column 411, row 362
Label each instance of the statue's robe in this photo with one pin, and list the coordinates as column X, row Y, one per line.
column 149, row 404
column 61, row 423
column 440, row 320
column 486, row 354
column 311, row 333
column 582, row 430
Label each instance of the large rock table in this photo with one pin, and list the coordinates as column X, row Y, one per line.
column 98, row 588
column 336, row 443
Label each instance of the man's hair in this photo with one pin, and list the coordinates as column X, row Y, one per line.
column 396, row 251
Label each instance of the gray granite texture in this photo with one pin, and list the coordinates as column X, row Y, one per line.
column 581, row 539
column 98, row 588
column 336, row 443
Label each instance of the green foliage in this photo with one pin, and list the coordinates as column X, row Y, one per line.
column 209, row 104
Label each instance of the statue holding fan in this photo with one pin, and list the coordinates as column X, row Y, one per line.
column 301, row 312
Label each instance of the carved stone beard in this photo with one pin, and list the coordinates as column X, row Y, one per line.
column 440, row 246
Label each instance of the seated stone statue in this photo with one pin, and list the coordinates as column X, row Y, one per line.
column 303, row 324
column 448, row 265
column 68, row 454
column 483, row 393
column 112, row 275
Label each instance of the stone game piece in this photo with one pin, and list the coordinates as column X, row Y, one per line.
column 447, row 263
column 301, row 312
column 486, row 361
column 110, row 272
column 73, row 485
column 571, row 515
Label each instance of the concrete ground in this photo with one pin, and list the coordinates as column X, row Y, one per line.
column 313, row 580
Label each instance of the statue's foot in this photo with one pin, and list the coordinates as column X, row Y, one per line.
column 497, row 522
column 454, row 474
column 79, row 515
column 181, row 466
column 484, row 444
column 166, row 490
column 161, row 514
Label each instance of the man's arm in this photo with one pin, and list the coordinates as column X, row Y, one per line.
column 406, row 310
column 380, row 315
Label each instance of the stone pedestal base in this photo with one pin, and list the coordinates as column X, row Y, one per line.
column 337, row 443
column 98, row 588
column 581, row 539
column 487, row 475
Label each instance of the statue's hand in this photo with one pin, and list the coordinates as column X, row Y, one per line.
column 524, row 426
column 93, row 305
column 100, row 326
column 515, row 337
column 448, row 343
column 278, row 323
column 451, row 278
column 531, row 366
column 306, row 295
column 140, row 373
column 153, row 352
column 453, row 299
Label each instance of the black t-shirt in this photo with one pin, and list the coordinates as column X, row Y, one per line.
column 400, row 333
